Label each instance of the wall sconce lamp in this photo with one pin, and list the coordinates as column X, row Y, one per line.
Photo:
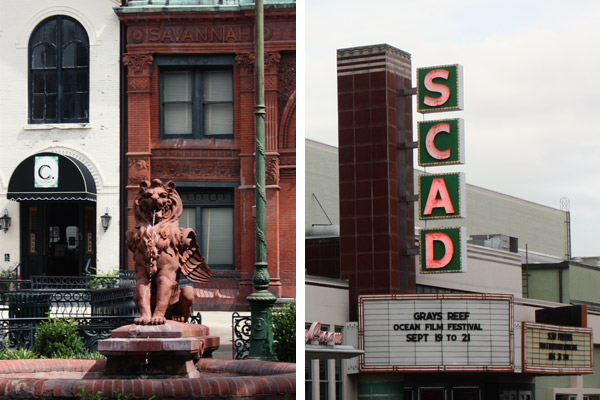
column 105, row 219
column 5, row 221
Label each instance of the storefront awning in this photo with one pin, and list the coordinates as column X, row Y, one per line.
column 321, row 352
column 50, row 176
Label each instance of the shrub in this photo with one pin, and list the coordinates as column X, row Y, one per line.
column 7, row 274
column 104, row 282
column 8, row 353
column 284, row 332
column 58, row 338
column 90, row 355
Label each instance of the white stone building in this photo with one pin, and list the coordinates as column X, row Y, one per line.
column 59, row 89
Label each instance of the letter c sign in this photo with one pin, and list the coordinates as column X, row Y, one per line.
column 45, row 172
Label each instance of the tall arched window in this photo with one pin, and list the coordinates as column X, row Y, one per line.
column 59, row 72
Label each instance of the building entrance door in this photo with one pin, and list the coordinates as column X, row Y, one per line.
column 432, row 393
column 57, row 238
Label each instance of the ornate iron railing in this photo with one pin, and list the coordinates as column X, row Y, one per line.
column 125, row 278
column 24, row 304
column 241, row 335
column 115, row 301
column 21, row 331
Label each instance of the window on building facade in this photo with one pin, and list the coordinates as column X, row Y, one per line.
column 324, row 373
column 308, row 379
column 210, row 213
column 468, row 393
column 308, row 374
column 59, row 72
column 426, row 393
column 197, row 102
column 339, row 374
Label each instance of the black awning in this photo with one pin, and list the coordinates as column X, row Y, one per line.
column 50, row 176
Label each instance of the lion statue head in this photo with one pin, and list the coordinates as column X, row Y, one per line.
column 157, row 202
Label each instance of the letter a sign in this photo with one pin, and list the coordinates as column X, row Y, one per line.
column 442, row 250
column 442, row 196
column 440, row 89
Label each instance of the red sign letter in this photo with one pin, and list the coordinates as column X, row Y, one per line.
column 443, row 90
column 430, row 141
column 431, row 263
column 438, row 186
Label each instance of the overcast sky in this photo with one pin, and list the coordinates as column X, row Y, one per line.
column 532, row 93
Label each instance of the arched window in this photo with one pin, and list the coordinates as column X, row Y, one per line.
column 59, row 72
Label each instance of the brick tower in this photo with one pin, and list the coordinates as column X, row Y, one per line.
column 377, row 243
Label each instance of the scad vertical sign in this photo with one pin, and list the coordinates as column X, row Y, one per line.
column 440, row 143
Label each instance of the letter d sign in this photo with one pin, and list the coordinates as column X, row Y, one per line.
column 443, row 250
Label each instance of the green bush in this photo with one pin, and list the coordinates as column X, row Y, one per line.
column 7, row 274
column 8, row 353
column 58, row 338
column 90, row 355
column 105, row 281
column 284, row 332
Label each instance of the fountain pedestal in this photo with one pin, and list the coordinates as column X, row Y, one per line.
column 157, row 351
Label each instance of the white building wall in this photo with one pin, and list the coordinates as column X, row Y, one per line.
column 487, row 271
column 542, row 229
column 327, row 302
column 96, row 144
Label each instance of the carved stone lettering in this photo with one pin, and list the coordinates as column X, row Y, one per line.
column 194, row 34
column 204, row 169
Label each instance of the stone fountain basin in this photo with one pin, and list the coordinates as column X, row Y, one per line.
column 223, row 379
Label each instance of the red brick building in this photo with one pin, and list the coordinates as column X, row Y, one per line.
column 188, row 107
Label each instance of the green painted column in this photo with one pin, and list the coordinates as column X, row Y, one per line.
column 261, row 300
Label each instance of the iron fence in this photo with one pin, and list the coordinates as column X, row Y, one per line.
column 97, row 305
column 21, row 331
column 114, row 301
column 241, row 335
column 125, row 278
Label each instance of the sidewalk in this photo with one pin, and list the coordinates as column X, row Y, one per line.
column 219, row 324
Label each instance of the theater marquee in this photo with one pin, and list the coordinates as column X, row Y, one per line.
column 443, row 332
column 557, row 349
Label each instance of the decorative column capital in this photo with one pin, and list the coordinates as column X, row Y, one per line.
column 271, row 62
column 138, row 64
column 139, row 69
column 246, row 60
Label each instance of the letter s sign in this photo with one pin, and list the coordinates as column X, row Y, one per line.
column 440, row 89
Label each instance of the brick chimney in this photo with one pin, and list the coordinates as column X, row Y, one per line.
column 375, row 171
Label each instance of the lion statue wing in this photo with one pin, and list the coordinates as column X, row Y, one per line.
column 192, row 264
